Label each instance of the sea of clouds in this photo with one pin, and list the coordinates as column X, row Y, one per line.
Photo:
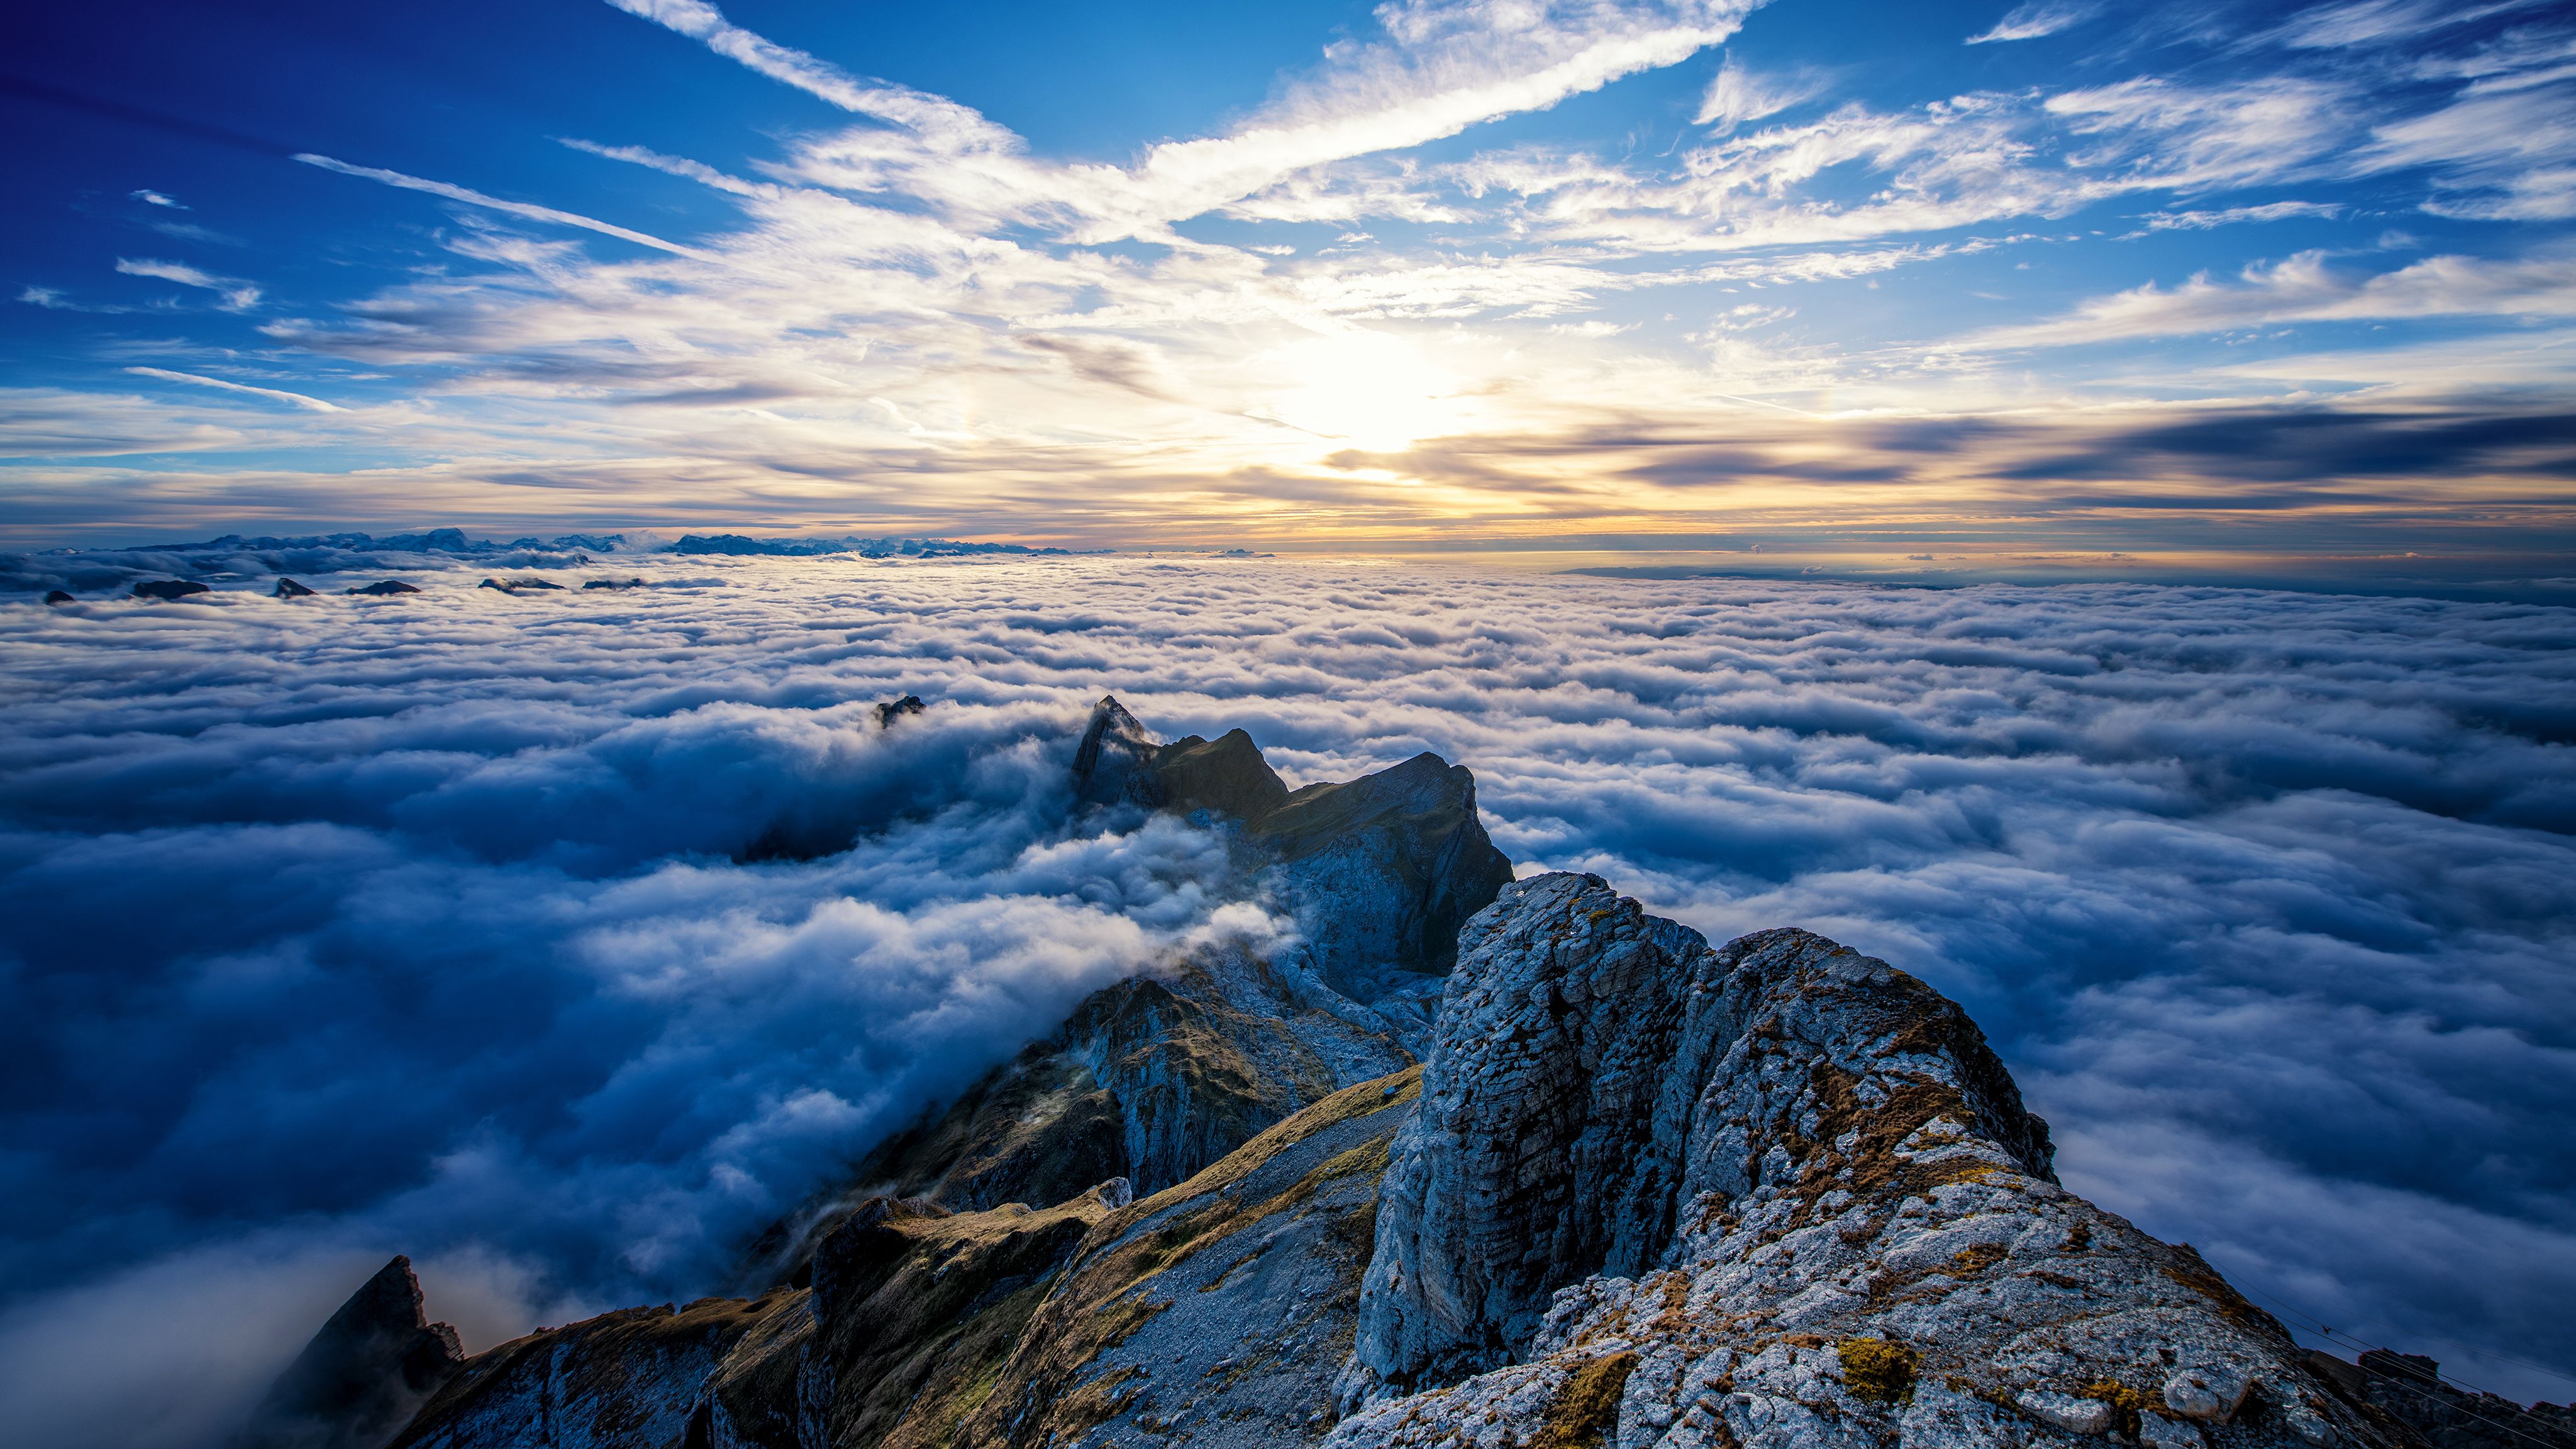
column 341, row 927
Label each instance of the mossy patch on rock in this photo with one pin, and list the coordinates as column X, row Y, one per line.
column 2126, row 1402
column 1585, row 1411
column 1877, row 1370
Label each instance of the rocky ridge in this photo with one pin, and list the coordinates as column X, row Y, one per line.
column 1476, row 1163
column 2410, row 1388
column 1157, row 1077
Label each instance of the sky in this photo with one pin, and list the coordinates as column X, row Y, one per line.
column 341, row 927
column 2138, row 286
column 1763, row 313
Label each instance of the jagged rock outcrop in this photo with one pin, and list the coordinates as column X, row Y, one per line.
column 1379, row 872
column 2410, row 1389
column 1386, row 868
column 1642, row 1193
column 1769, row 1194
column 1114, row 763
column 1156, row 1077
column 629, row 1378
column 365, row 1374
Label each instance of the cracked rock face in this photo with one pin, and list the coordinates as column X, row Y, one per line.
column 1786, row 1196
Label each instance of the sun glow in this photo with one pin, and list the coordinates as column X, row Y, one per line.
column 1362, row 389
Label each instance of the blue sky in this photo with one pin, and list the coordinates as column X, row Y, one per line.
column 2184, row 280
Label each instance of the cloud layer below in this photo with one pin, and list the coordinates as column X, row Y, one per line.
column 348, row 927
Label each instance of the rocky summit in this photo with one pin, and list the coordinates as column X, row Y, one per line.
column 1474, row 1163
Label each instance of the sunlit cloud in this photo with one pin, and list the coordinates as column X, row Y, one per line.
column 1737, row 95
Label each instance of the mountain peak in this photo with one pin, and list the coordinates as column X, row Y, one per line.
column 363, row 1376
column 1114, row 764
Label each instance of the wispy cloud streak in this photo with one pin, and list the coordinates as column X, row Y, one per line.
column 2303, row 288
column 472, row 197
column 310, row 404
column 237, row 295
column 2037, row 19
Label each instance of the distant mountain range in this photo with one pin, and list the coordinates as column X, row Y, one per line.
column 1470, row 1162
column 454, row 540
column 90, row 570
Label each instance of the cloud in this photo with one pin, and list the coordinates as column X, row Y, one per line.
column 1444, row 66
column 476, row 198
column 2199, row 220
column 2036, row 19
column 238, row 295
column 1736, row 95
column 2363, row 23
column 312, row 404
column 900, row 105
column 688, row 1046
column 1975, row 158
column 2503, row 155
column 2266, row 884
column 2303, row 288
column 155, row 198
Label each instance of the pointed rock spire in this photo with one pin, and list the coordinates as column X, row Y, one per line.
column 1115, row 762
column 363, row 1376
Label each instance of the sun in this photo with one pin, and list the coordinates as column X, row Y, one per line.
column 1362, row 389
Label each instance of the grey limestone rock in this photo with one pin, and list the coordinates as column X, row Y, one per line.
column 1381, row 871
column 1786, row 1196
column 1216, row 1312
